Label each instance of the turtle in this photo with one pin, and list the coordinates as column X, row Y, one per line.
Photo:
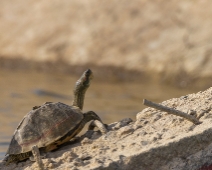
column 52, row 124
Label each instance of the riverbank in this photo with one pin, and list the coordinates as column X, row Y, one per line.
column 156, row 140
column 166, row 41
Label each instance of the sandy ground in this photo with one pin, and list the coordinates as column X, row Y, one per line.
column 156, row 140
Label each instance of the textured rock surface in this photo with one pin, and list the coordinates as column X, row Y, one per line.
column 156, row 140
column 154, row 36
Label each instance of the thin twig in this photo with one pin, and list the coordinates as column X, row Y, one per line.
column 36, row 154
column 171, row 111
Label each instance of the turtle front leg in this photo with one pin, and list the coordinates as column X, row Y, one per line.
column 37, row 157
column 96, row 123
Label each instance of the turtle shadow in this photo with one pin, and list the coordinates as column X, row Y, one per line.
column 49, row 158
column 64, row 148
column 75, row 142
column 21, row 164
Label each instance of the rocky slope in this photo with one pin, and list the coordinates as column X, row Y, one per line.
column 156, row 140
column 170, row 38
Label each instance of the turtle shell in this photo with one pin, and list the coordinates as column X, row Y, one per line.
column 43, row 126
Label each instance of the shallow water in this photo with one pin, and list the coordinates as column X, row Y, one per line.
column 20, row 91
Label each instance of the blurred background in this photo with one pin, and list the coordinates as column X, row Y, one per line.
column 136, row 49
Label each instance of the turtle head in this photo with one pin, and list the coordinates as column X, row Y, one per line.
column 85, row 78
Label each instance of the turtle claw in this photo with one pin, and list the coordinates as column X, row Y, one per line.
column 31, row 158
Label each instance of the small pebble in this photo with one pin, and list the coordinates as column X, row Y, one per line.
column 113, row 150
column 122, row 123
column 144, row 143
column 125, row 130
column 85, row 157
column 142, row 133
column 94, row 146
column 78, row 162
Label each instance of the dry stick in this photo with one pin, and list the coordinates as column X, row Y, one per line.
column 36, row 154
column 171, row 111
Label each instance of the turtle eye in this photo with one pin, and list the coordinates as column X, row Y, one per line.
column 86, row 81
